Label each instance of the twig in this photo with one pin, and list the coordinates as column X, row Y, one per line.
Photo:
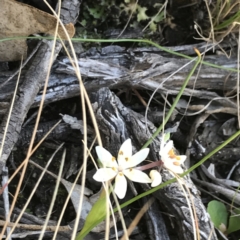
column 36, row 227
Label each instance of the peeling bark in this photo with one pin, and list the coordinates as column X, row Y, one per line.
column 117, row 123
column 116, row 67
column 33, row 80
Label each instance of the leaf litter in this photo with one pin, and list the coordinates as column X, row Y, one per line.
column 22, row 20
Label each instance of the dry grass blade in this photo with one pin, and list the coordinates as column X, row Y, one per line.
column 54, row 196
column 2, row 145
column 132, row 11
column 84, row 97
column 34, row 190
column 140, row 136
column 73, row 189
column 138, row 218
column 35, row 227
column 35, row 148
column 163, row 7
column 109, row 204
column 238, row 80
column 223, row 16
column 33, row 137
column 10, row 111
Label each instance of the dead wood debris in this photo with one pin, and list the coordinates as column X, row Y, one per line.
column 115, row 67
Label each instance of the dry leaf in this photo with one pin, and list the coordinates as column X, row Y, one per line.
column 18, row 19
column 75, row 197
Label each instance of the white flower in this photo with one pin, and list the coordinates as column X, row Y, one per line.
column 170, row 160
column 156, row 178
column 122, row 167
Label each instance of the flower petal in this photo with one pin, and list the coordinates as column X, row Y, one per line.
column 104, row 174
column 182, row 158
column 137, row 175
column 156, row 178
column 165, row 150
column 137, row 158
column 120, row 186
column 169, row 164
column 106, row 157
column 125, row 153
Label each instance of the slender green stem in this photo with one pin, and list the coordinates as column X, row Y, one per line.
column 185, row 173
column 198, row 60
column 234, row 19
column 127, row 40
column 175, row 101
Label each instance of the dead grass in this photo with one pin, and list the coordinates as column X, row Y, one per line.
column 225, row 17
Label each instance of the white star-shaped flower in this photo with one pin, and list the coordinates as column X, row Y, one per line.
column 170, row 160
column 122, row 167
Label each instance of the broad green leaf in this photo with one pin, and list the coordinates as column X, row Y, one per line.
column 234, row 221
column 218, row 214
column 95, row 216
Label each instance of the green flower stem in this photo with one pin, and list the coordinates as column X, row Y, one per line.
column 127, row 40
column 185, row 173
column 198, row 60
column 165, row 183
column 175, row 102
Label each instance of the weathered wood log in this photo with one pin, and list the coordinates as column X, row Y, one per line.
column 115, row 67
column 117, row 123
column 30, row 219
column 149, row 69
column 33, row 81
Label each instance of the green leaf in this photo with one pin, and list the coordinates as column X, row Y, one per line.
column 228, row 22
column 218, row 214
column 166, row 136
column 96, row 12
column 95, row 216
column 83, row 22
column 159, row 17
column 234, row 221
column 142, row 13
column 153, row 27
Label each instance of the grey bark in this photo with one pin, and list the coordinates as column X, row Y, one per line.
column 33, row 80
column 32, row 220
column 145, row 68
column 117, row 123
column 31, row 84
column 117, row 67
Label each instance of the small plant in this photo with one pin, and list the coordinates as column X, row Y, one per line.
column 223, row 220
column 225, row 17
